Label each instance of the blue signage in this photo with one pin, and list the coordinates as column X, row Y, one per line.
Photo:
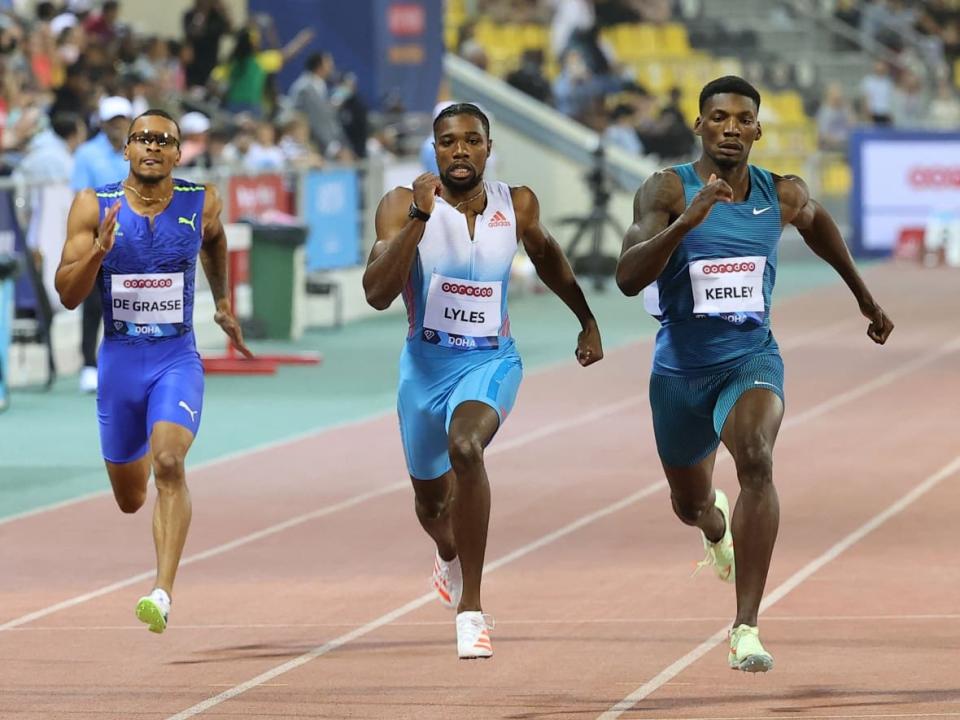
column 331, row 207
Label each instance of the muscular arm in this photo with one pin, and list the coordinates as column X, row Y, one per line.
column 82, row 251
column 547, row 257
column 213, row 249
column 821, row 233
column 658, row 227
column 392, row 255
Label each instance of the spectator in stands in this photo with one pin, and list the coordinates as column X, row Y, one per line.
column 877, row 89
column 102, row 28
column 194, row 136
column 616, row 12
column 835, row 120
column 45, row 173
column 569, row 17
column 529, row 78
column 353, row 115
column 576, row 91
column 310, row 94
column 264, row 155
column 74, row 96
column 295, row 144
column 204, row 26
column 909, row 102
column 675, row 139
column 100, row 161
column 944, row 110
column 621, row 133
column 246, row 72
column 241, row 140
column 49, row 156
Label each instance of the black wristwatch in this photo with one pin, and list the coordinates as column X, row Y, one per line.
column 418, row 214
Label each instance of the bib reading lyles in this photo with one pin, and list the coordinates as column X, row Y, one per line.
column 462, row 314
column 728, row 286
column 148, row 299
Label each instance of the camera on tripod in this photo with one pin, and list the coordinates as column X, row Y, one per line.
column 601, row 184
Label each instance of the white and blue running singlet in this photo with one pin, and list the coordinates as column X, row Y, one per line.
column 459, row 346
column 149, row 369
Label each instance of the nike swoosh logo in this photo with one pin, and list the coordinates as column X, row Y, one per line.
column 760, row 382
column 760, row 212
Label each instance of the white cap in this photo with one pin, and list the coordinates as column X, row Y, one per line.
column 115, row 106
column 62, row 22
column 194, row 123
column 80, row 6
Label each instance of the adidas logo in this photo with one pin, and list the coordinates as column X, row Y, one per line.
column 498, row 220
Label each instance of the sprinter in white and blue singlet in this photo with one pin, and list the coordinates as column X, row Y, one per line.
column 138, row 242
column 703, row 250
column 447, row 246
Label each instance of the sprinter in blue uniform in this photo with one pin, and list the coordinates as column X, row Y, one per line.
column 138, row 241
column 703, row 250
column 447, row 246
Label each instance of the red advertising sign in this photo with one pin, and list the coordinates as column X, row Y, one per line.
column 252, row 197
column 406, row 19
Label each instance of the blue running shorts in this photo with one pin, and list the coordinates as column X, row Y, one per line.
column 689, row 411
column 430, row 390
column 140, row 384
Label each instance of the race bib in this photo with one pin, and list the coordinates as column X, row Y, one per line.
column 462, row 314
column 728, row 286
column 651, row 299
column 148, row 299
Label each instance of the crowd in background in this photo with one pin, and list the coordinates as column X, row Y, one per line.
column 914, row 89
column 57, row 66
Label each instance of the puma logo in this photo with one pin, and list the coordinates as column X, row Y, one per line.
column 191, row 222
column 193, row 413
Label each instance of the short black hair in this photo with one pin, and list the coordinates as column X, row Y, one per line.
column 156, row 112
column 729, row 84
column 65, row 124
column 463, row 109
column 315, row 61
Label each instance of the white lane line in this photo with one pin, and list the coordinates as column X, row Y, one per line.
column 791, row 342
column 424, row 599
column 569, row 623
column 526, row 549
column 794, row 581
column 511, row 444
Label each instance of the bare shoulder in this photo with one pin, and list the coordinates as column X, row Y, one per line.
column 525, row 202
column 662, row 191
column 392, row 212
column 212, row 203
column 86, row 208
column 396, row 202
column 792, row 191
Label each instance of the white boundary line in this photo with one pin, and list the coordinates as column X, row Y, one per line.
column 794, row 581
column 583, row 521
column 519, row 441
column 504, row 623
column 803, row 339
column 424, row 599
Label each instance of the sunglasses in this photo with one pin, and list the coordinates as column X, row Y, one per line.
column 163, row 140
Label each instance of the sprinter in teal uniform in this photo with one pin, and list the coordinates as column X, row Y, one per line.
column 703, row 250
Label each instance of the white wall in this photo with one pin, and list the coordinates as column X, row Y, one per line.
column 165, row 18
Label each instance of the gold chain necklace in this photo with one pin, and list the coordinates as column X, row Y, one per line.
column 147, row 199
column 470, row 200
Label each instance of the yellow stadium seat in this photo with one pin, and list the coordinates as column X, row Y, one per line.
column 673, row 40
